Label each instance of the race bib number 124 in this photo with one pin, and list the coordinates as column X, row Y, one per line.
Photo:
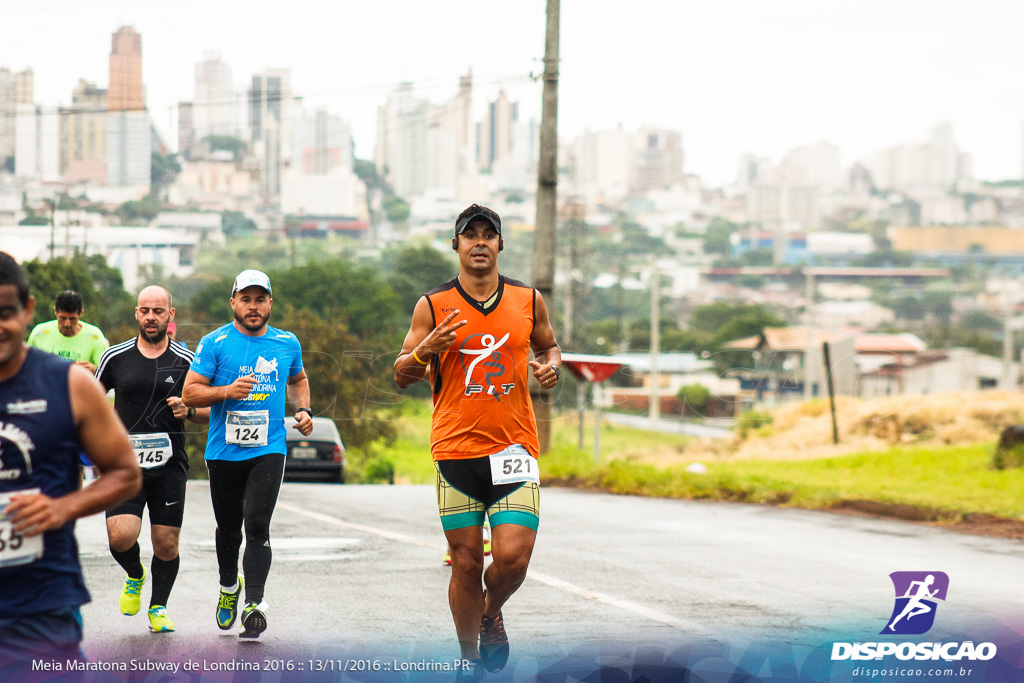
column 247, row 427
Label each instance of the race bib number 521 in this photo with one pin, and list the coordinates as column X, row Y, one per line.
column 15, row 548
column 513, row 465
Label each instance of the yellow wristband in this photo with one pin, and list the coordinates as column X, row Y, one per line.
column 417, row 358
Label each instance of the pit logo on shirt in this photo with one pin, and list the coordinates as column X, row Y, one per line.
column 488, row 364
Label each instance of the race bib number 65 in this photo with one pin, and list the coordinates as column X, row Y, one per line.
column 15, row 548
column 513, row 465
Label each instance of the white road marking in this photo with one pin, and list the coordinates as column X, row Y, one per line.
column 625, row 605
column 299, row 543
column 327, row 519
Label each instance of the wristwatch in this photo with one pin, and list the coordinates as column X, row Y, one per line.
column 309, row 411
column 558, row 372
column 191, row 413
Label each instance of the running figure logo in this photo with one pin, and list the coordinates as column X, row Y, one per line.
column 916, row 595
column 496, row 362
column 265, row 367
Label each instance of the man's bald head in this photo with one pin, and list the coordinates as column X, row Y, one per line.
column 155, row 294
column 154, row 313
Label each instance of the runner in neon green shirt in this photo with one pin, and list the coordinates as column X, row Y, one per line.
column 68, row 336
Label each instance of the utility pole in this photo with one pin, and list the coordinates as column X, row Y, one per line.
column 53, row 223
column 547, row 200
column 809, row 351
column 67, row 235
column 655, row 345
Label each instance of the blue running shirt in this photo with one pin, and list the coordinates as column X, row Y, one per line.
column 254, row 426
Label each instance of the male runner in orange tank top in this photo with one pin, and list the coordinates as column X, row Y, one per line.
column 471, row 339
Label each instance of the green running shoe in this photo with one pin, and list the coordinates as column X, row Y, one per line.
column 254, row 620
column 159, row 622
column 131, row 600
column 227, row 608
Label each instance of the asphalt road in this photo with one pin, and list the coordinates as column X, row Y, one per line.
column 357, row 577
column 668, row 426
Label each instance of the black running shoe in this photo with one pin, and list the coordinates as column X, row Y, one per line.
column 493, row 643
column 254, row 620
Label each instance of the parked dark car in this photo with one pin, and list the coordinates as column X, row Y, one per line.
column 317, row 457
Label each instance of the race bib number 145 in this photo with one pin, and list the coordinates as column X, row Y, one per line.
column 151, row 450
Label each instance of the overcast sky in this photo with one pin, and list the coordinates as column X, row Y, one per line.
column 735, row 76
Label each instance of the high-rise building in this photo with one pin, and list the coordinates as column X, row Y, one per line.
column 321, row 143
column 129, row 149
column 37, row 148
column 15, row 88
column 215, row 107
column 401, row 154
column 944, row 157
column 602, row 163
column 83, row 135
column 658, row 161
column 752, row 168
column 270, row 123
column 453, row 124
column 495, row 138
column 129, row 139
column 24, row 87
column 125, row 92
column 450, row 141
column 817, row 165
column 320, row 179
column 186, row 131
column 933, row 165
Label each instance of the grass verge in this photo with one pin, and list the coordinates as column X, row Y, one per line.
column 923, row 482
column 947, row 481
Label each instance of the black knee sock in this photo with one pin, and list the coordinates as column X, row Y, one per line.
column 164, row 573
column 227, row 556
column 129, row 561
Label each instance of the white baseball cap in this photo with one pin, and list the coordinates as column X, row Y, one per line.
column 248, row 278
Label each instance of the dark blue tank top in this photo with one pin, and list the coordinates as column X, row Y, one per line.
column 39, row 448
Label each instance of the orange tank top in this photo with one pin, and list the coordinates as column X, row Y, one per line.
column 481, row 398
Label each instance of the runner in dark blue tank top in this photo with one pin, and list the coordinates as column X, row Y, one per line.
column 50, row 411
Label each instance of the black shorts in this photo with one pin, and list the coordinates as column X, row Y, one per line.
column 163, row 489
column 465, row 494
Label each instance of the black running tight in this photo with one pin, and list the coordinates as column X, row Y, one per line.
column 245, row 492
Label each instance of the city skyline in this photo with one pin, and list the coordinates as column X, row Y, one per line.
column 734, row 77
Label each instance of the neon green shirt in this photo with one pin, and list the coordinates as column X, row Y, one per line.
column 88, row 345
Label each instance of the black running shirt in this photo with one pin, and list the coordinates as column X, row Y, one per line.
column 141, row 388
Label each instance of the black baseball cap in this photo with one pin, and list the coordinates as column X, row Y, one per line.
column 477, row 212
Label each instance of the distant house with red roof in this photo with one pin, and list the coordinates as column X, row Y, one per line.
column 861, row 364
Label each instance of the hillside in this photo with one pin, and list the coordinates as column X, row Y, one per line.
column 803, row 431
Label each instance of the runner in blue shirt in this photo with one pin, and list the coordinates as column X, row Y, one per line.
column 245, row 372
